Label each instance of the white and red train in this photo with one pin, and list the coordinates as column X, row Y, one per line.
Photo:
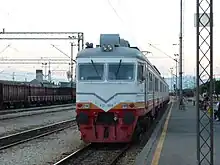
column 117, row 91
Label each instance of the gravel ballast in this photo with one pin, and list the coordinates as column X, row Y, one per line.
column 15, row 125
column 43, row 151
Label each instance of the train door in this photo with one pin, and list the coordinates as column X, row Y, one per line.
column 150, row 89
column 141, row 82
column 146, row 86
column 153, row 96
column 1, row 95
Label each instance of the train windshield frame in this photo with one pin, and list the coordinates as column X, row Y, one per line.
column 91, row 71
column 121, row 71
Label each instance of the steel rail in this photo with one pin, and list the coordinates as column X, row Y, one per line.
column 24, row 136
column 87, row 148
column 11, row 111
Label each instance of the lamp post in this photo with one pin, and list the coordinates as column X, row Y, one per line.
column 171, row 79
column 180, row 55
column 176, row 74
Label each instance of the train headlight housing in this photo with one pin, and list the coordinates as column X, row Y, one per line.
column 79, row 105
column 107, row 48
column 83, row 105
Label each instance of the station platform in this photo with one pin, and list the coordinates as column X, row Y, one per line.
column 174, row 141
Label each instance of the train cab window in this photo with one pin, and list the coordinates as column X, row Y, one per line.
column 91, row 71
column 140, row 72
column 120, row 71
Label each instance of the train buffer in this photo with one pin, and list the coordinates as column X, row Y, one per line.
column 174, row 141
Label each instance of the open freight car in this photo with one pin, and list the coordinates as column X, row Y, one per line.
column 17, row 95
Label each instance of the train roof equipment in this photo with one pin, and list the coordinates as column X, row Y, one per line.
column 113, row 46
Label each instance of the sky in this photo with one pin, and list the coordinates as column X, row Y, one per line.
column 139, row 21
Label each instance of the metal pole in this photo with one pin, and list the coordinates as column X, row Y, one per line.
column 171, row 80
column 211, row 85
column 214, row 84
column 49, row 73
column 180, row 70
column 204, row 67
column 71, row 63
column 176, row 78
column 82, row 41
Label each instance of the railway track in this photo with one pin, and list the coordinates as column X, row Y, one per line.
column 93, row 154
column 35, row 112
column 12, row 111
column 21, row 137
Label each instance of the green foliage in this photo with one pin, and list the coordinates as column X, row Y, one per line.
column 205, row 87
column 217, row 87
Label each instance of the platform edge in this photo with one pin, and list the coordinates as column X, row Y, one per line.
column 142, row 157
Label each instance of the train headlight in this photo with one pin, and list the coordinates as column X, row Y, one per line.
column 124, row 106
column 109, row 47
column 86, row 106
column 104, row 47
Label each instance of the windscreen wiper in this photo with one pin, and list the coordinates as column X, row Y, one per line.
column 95, row 69
column 119, row 65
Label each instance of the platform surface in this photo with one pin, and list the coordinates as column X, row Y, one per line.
column 176, row 144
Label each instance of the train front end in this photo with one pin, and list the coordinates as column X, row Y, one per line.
column 105, row 96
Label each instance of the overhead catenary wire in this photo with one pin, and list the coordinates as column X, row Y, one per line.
column 116, row 13
column 123, row 22
column 2, row 51
column 162, row 51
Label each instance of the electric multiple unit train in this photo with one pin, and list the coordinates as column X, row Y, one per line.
column 117, row 90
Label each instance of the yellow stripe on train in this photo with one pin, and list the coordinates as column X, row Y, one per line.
column 122, row 105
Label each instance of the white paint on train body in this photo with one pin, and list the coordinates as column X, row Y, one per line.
column 107, row 78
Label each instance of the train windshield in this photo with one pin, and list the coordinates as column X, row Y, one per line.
column 91, row 71
column 120, row 71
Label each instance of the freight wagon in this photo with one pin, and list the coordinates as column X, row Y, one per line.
column 18, row 96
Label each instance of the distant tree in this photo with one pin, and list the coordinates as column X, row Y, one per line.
column 217, row 88
column 205, row 87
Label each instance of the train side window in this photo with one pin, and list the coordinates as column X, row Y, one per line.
column 161, row 87
column 140, row 72
column 150, row 82
column 156, row 84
